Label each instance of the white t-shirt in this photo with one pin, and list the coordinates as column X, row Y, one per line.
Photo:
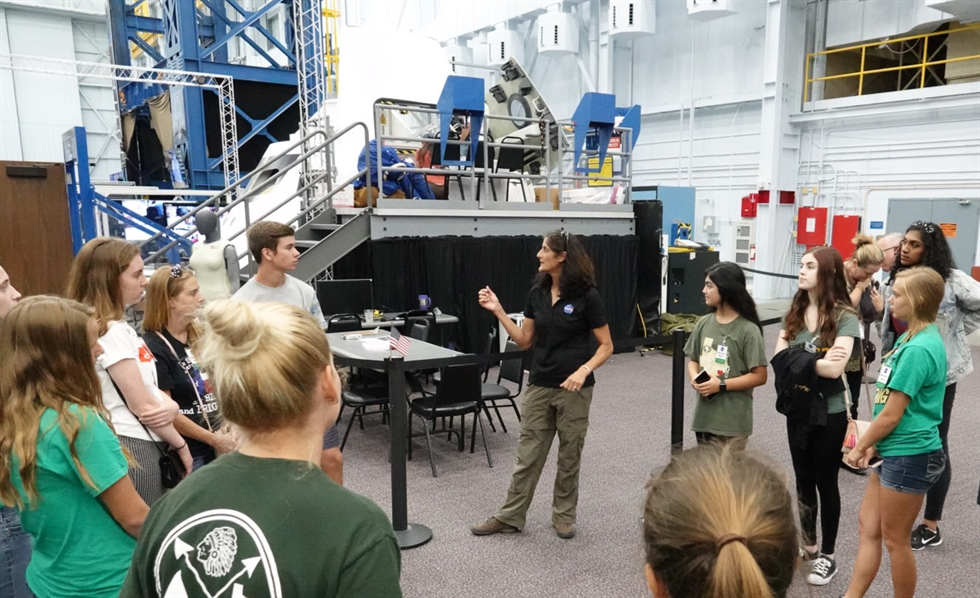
column 294, row 292
column 121, row 342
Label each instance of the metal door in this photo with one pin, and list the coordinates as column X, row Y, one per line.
column 960, row 219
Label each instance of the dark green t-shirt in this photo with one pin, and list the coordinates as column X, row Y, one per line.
column 847, row 325
column 244, row 526
column 727, row 413
column 916, row 367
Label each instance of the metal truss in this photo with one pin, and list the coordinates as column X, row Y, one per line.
column 220, row 84
column 311, row 72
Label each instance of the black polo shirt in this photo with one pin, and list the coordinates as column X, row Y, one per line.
column 561, row 334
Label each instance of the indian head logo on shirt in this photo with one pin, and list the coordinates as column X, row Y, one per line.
column 216, row 554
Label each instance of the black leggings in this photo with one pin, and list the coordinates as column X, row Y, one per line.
column 855, row 380
column 816, row 467
column 936, row 497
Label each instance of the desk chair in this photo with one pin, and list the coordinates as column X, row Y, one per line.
column 511, row 370
column 458, row 394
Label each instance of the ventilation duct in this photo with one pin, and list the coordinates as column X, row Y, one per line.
column 631, row 18
column 502, row 44
column 707, row 10
column 557, row 34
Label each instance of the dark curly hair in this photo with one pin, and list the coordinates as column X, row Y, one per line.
column 578, row 273
column 937, row 254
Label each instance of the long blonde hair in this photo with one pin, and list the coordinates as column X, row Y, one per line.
column 163, row 287
column 47, row 364
column 924, row 288
column 719, row 523
column 94, row 277
column 264, row 361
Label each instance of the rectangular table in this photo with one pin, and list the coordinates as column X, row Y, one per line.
column 420, row 356
column 390, row 321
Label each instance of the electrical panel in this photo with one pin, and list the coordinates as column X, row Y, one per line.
column 811, row 226
column 745, row 243
column 707, row 10
column 629, row 19
column 557, row 34
column 502, row 45
column 842, row 233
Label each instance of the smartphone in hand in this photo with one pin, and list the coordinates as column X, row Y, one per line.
column 703, row 377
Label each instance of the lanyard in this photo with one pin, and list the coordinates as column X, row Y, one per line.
column 186, row 368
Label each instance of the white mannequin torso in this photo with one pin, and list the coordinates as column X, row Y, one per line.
column 208, row 262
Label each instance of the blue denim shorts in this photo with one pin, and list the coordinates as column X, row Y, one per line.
column 912, row 474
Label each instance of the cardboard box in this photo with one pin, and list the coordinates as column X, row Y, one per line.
column 541, row 195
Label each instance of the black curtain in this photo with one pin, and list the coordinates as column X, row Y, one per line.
column 451, row 270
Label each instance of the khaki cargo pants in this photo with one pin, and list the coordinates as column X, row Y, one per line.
column 544, row 412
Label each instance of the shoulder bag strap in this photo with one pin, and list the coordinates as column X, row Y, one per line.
column 183, row 366
column 123, row 397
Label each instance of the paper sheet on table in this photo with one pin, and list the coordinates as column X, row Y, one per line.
column 376, row 344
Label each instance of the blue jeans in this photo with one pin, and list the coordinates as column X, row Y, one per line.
column 913, row 474
column 201, row 460
column 15, row 553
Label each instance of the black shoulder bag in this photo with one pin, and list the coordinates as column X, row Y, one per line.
column 170, row 468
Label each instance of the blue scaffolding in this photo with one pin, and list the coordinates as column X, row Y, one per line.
column 271, row 100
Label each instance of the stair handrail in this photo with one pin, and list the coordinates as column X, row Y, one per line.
column 269, row 182
column 227, row 190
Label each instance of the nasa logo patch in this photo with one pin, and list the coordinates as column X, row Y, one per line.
column 568, row 309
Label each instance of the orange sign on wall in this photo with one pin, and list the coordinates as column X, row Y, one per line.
column 948, row 228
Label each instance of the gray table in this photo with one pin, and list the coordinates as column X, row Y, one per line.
column 393, row 321
column 420, row 356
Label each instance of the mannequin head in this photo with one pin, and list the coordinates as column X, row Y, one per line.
column 207, row 225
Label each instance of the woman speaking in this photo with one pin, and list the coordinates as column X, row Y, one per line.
column 562, row 312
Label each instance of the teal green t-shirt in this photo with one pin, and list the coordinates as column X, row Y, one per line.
column 847, row 325
column 79, row 549
column 727, row 413
column 245, row 526
column 917, row 367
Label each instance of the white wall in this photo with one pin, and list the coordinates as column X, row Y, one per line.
column 856, row 21
column 36, row 109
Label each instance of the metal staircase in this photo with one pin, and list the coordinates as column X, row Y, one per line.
column 321, row 239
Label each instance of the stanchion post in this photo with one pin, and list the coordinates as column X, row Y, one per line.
column 409, row 535
column 677, row 395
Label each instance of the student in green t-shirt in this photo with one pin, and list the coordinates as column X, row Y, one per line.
column 727, row 346
column 905, row 434
column 61, row 464
column 266, row 520
column 821, row 321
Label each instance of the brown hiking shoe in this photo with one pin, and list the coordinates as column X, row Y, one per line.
column 493, row 526
column 565, row 531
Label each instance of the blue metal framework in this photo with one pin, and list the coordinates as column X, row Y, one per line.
column 195, row 37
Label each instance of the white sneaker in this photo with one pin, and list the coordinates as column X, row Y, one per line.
column 822, row 571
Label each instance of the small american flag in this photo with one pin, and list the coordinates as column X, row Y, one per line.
column 399, row 343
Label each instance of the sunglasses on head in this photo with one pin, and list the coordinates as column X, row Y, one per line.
column 928, row 227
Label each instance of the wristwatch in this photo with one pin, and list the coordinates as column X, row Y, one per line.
column 722, row 387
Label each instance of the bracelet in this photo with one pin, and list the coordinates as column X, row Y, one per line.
column 587, row 368
column 180, row 447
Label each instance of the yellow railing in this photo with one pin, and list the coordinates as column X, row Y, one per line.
column 331, row 45
column 921, row 66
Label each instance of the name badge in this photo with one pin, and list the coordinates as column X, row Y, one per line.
column 884, row 374
column 722, row 352
column 810, row 347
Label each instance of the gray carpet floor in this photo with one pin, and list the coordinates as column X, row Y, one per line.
column 629, row 436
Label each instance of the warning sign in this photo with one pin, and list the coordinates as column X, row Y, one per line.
column 948, row 228
column 605, row 172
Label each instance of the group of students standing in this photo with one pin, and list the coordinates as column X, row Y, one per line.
column 98, row 424
column 95, row 417
column 926, row 309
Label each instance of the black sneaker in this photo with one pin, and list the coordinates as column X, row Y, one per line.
column 822, row 571
column 922, row 536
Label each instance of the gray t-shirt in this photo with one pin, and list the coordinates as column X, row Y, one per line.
column 293, row 291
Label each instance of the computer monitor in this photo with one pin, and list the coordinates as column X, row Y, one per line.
column 345, row 296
